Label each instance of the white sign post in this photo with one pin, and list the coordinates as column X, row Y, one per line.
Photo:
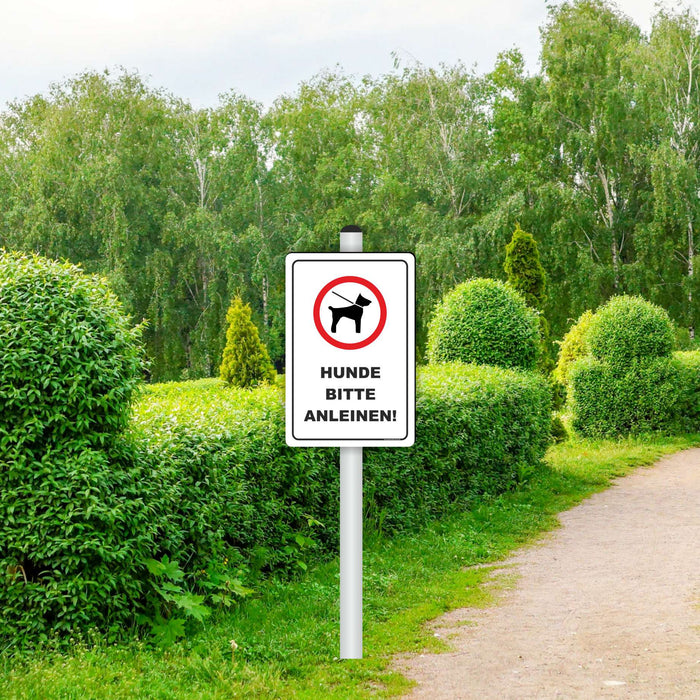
column 350, row 379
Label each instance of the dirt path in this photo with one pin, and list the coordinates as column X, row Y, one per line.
column 608, row 606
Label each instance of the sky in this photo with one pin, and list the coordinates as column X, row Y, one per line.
column 199, row 49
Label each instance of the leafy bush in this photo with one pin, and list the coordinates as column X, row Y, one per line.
column 629, row 328
column 246, row 362
column 573, row 346
column 74, row 523
column 72, row 515
column 629, row 383
column 484, row 322
column 248, row 491
column 477, row 429
column 687, row 364
column 70, row 361
column 204, row 475
column 610, row 401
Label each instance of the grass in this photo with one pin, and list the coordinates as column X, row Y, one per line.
column 288, row 633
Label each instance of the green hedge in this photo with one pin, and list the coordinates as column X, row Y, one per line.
column 648, row 395
column 688, row 409
column 204, row 475
column 475, row 427
column 626, row 380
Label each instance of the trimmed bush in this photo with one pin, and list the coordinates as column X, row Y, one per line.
column 72, row 514
column 204, row 474
column 484, row 322
column 629, row 328
column 246, row 362
column 630, row 383
column 70, row 361
column 687, row 364
column 573, row 346
column 609, row 401
column 475, row 426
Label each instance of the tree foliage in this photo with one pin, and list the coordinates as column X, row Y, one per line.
column 596, row 155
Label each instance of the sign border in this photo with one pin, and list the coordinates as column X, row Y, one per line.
column 408, row 438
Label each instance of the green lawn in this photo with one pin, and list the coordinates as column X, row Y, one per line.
column 288, row 632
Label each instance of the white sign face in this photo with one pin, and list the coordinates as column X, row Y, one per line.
column 350, row 349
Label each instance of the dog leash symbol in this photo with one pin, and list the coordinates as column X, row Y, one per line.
column 354, row 303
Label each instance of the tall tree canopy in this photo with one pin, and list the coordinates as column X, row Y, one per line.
column 597, row 156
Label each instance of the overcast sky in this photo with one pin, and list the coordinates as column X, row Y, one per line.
column 198, row 49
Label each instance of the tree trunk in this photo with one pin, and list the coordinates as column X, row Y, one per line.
column 265, row 285
column 609, row 220
column 691, row 253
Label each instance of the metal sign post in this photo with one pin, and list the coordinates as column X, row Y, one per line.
column 351, row 520
column 350, row 382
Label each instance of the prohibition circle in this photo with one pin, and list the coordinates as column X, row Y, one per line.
column 337, row 343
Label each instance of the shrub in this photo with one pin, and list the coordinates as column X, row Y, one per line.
column 74, row 524
column 475, row 425
column 687, row 365
column 70, row 361
column 72, row 513
column 204, row 474
column 630, row 383
column 484, row 322
column 246, row 362
column 610, row 401
column 629, row 328
column 573, row 346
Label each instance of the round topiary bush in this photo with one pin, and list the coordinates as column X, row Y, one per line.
column 69, row 360
column 73, row 519
column 629, row 328
column 484, row 322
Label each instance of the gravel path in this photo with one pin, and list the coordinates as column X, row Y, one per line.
column 608, row 606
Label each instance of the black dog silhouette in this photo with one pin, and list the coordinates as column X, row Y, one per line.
column 354, row 312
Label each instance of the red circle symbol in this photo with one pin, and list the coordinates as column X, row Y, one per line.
column 382, row 313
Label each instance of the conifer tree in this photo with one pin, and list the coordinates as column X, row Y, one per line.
column 524, row 269
column 526, row 275
column 246, row 362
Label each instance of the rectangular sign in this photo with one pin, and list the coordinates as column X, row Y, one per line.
column 350, row 349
